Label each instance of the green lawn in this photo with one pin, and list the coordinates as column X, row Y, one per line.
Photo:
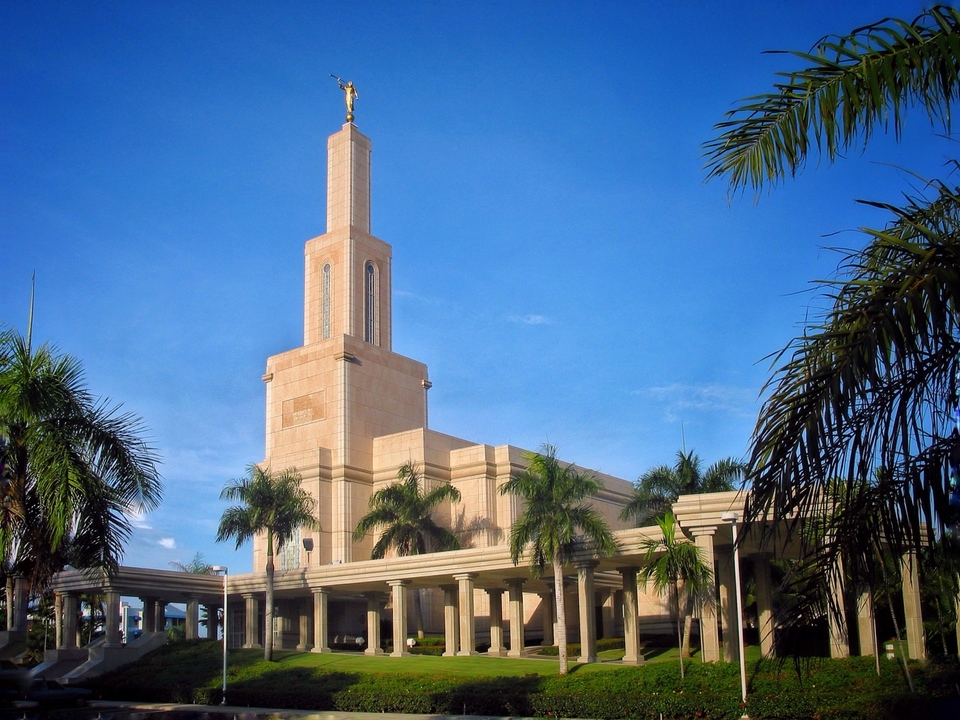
column 190, row 672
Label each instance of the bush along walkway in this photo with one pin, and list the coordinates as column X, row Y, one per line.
column 813, row 688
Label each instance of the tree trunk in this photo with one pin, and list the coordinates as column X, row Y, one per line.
column 676, row 605
column 561, row 612
column 687, row 626
column 268, row 610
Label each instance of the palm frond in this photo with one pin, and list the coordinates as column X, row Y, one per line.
column 850, row 86
column 867, row 390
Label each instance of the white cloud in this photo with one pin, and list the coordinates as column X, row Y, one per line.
column 680, row 401
column 530, row 319
column 168, row 543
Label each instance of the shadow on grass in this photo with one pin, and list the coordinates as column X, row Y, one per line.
column 494, row 696
column 297, row 688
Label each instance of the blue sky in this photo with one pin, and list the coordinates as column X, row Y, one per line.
column 559, row 262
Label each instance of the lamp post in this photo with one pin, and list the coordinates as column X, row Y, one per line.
column 732, row 518
column 223, row 569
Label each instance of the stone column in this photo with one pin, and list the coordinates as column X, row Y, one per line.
column 837, row 615
column 728, row 598
column 69, row 637
column 191, row 629
column 374, row 601
column 321, row 621
column 588, row 619
column 451, row 621
column 631, row 617
column 399, row 589
column 252, row 618
column 305, row 616
column 764, row 592
column 160, row 615
column 57, row 619
column 21, row 593
column 149, row 617
column 547, row 612
column 709, row 636
column 608, row 614
column 912, row 615
column 468, row 628
column 517, row 630
column 866, row 624
column 495, row 596
column 112, row 619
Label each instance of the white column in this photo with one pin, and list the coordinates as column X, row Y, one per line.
column 112, row 609
column 321, row 621
column 631, row 625
column 252, row 618
column 910, row 572
column 547, row 612
column 517, row 630
column 837, row 616
column 468, row 629
column 451, row 621
column 709, row 635
column 305, row 615
column 495, row 596
column 866, row 624
column 374, row 600
column 399, row 590
column 588, row 619
column 764, row 593
column 191, row 629
column 69, row 637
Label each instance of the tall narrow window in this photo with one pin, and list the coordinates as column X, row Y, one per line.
column 325, row 302
column 370, row 304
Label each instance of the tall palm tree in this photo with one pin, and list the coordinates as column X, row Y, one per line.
column 658, row 488
column 870, row 386
column 276, row 505
column 676, row 565
column 556, row 520
column 74, row 468
column 405, row 512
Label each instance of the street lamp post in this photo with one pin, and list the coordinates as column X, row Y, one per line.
column 223, row 569
column 732, row 518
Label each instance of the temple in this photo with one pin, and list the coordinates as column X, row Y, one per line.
column 347, row 412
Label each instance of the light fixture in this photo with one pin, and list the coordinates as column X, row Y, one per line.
column 217, row 569
column 731, row 517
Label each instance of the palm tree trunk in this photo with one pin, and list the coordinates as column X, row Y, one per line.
column 561, row 612
column 268, row 610
column 676, row 605
column 687, row 623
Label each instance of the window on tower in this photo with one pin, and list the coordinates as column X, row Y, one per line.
column 370, row 304
column 325, row 302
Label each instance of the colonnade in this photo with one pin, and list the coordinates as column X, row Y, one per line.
column 153, row 618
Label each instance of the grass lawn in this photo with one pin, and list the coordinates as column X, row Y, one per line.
column 473, row 666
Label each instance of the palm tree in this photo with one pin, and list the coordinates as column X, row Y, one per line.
column 273, row 504
column 556, row 521
column 870, row 386
column 74, row 468
column 658, row 488
column 197, row 566
column 676, row 565
column 405, row 512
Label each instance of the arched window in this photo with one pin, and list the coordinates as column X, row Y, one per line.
column 370, row 297
column 325, row 302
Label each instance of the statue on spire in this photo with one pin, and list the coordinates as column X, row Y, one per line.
column 349, row 95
